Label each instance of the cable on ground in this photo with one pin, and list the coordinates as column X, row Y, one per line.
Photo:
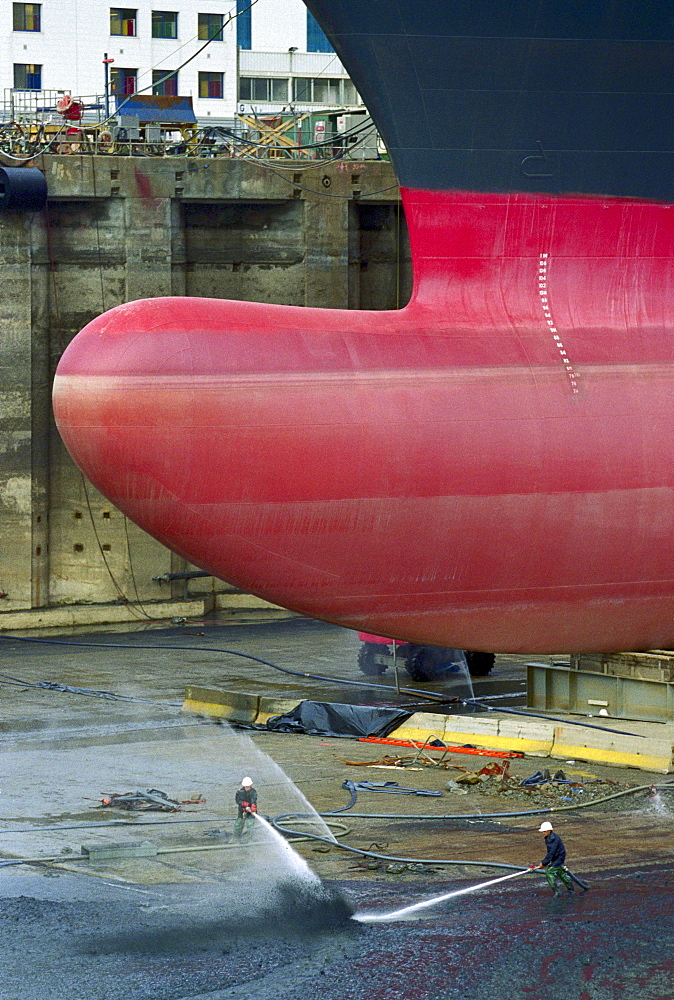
column 426, row 695
column 301, row 819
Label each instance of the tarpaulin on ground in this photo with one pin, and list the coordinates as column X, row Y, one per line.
column 322, row 718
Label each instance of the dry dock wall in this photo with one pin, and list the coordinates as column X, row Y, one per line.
column 124, row 228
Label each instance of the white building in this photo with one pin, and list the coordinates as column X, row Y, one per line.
column 229, row 56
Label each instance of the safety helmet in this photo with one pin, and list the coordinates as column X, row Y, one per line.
column 545, row 827
column 249, row 781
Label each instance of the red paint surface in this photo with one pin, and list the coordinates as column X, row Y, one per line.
column 489, row 468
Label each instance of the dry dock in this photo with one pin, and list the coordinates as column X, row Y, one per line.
column 165, row 905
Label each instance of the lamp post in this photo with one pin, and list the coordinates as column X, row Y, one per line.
column 106, row 63
column 291, row 50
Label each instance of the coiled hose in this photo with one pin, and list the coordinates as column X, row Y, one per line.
column 302, row 819
column 279, row 822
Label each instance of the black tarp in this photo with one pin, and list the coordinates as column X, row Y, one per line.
column 322, row 718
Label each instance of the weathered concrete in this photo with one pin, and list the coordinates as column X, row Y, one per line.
column 124, row 228
column 648, row 749
column 198, row 920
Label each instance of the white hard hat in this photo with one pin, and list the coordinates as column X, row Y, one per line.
column 545, row 827
column 249, row 781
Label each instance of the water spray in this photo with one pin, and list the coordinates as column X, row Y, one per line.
column 311, row 883
column 298, row 866
column 407, row 911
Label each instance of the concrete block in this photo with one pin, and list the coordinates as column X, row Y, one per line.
column 477, row 731
column 241, row 602
column 421, row 727
column 237, row 706
column 269, row 707
column 529, row 736
column 486, row 725
column 111, row 851
column 652, row 752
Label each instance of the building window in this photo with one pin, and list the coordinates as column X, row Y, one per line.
column 244, row 27
column 164, row 24
column 26, row 16
column 258, row 88
column 210, row 26
column 27, row 76
column 210, row 84
column 123, row 81
column 316, row 38
column 163, row 84
column 323, row 90
column 123, row 21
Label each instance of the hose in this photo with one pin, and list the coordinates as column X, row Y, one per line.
column 427, row 695
column 666, row 785
column 278, row 824
column 301, row 818
column 547, row 718
column 286, row 831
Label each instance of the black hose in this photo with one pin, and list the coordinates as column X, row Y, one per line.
column 278, row 821
column 286, row 831
column 428, row 695
column 350, row 786
column 277, row 824
column 548, row 718
column 666, row 785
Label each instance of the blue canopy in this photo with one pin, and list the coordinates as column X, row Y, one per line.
column 157, row 108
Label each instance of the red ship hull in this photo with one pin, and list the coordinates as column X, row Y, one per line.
column 488, row 468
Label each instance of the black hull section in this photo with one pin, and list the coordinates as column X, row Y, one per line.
column 560, row 96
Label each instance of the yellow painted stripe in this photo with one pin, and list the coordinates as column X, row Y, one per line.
column 646, row 762
column 482, row 740
column 262, row 717
column 207, row 708
column 500, row 742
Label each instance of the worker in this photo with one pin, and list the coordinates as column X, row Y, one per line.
column 553, row 862
column 246, row 800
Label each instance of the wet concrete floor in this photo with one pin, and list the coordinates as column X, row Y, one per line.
column 199, row 919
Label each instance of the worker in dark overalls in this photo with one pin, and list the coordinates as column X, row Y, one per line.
column 553, row 862
column 246, row 800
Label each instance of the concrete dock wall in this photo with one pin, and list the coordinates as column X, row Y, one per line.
column 124, row 228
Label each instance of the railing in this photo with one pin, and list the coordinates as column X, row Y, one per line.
column 39, row 106
column 294, row 137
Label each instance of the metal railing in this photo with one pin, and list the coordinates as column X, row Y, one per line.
column 30, row 124
column 39, row 106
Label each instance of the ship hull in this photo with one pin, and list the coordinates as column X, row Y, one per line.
column 479, row 468
column 491, row 467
